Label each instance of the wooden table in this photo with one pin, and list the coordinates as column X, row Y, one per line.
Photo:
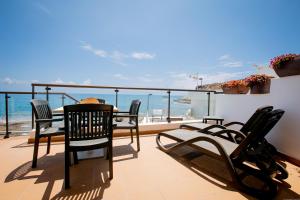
column 213, row 118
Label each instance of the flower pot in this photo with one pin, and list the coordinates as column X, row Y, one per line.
column 289, row 68
column 230, row 90
column 243, row 89
column 261, row 88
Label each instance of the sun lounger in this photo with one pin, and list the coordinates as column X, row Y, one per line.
column 235, row 155
column 245, row 127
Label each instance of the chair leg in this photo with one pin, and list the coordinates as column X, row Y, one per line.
column 48, row 144
column 35, row 151
column 110, row 155
column 107, row 153
column 75, row 157
column 131, row 135
column 67, row 169
column 137, row 138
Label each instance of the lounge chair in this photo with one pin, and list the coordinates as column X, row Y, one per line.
column 245, row 127
column 235, row 155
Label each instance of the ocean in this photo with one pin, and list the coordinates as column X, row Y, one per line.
column 20, row 108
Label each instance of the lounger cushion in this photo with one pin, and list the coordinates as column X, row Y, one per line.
column 184, row 135
column 199, row 125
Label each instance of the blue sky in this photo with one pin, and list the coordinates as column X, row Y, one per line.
column 141, row 43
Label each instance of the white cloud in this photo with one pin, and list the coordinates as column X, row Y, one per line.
column 60, row 81
column 42, row 8
column 227, row 61
column 120, row 76
column 10, row 81
column 116, row 56
column 87, row 82
column 224, row 57
column 142, row 56
column 98, row 52
column 182, row 80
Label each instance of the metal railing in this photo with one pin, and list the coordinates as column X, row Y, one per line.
column 118, row 88
column 6, row 96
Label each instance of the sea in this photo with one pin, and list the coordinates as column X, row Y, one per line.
column 19, row 107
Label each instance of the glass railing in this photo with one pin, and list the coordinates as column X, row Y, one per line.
column 158, row 104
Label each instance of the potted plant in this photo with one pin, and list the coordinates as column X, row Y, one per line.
column 235, row 87
column 259, row 83
column 286, row 65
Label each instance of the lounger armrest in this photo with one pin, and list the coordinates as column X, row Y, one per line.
column 234, row 123
column 229, row 133
column 57, row 114
column 121, row 112
column 191, row 141
column 49, row 120
column 207, row 129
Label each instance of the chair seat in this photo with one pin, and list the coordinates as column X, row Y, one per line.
column 52, row 131
column 124, row 124
column 88, row 143
column 184, row 135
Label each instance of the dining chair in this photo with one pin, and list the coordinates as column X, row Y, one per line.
column 130, row 120
column 88, row 127
column 43, row 125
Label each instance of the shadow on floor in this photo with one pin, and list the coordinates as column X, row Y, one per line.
column 87, row 181
column 215, row 172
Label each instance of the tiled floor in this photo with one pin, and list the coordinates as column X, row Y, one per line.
column 149, row 174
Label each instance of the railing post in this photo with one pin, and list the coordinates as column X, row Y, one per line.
column 116, row 90
column 63, row 100
column 169, row 106
column 32, row 115
column 6, row 116
column 47, row 93
column 208, row 103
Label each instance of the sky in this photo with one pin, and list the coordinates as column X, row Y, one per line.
column 141, row 43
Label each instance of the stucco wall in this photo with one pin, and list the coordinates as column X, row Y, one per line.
column 284, row 94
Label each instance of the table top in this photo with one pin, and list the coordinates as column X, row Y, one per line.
column 61, row 110
column 213, row 117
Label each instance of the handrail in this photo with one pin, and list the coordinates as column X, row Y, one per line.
column 116, row 87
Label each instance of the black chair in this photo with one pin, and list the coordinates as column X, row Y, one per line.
column 43, row 125
column 101, row 101
column 238, row 158
column 88, row 127
column 131, row 120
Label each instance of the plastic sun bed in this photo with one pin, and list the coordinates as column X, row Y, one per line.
column 248, row 158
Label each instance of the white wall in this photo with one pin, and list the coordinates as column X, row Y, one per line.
column 284, row 94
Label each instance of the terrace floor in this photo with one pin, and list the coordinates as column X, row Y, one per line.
column 150, row 174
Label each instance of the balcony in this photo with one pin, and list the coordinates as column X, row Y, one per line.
column 152, row 174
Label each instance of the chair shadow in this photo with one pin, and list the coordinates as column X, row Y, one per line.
column 215, row 172
column 51, row 169
column 124, row 152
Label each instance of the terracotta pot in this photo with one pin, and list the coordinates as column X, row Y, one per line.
column 261, row 89
column 243, row 89
column 289, row 68
column 230, row 90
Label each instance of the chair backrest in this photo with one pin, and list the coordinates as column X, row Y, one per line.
column 134, row 109
column 254, row 119
column 42, row 110
column 256, row 136
column 88, row 121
